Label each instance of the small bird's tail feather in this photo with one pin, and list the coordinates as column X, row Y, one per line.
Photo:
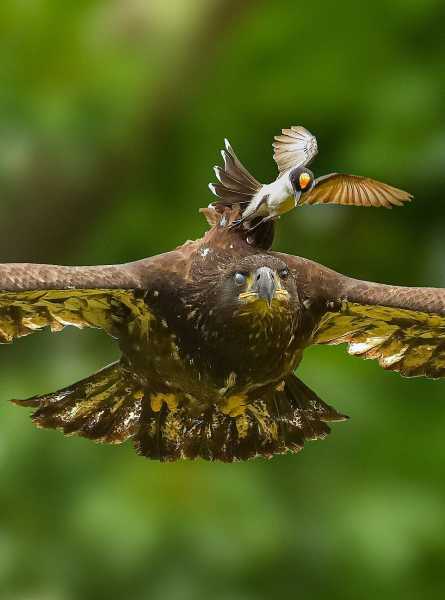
column 236, row 184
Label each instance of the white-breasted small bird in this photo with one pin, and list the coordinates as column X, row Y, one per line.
column 294, row 150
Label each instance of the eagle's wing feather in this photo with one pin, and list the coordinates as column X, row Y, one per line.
column 410, row 342
column 35, row 296
column 295, row 147
column 338, row 188
column 401, row 327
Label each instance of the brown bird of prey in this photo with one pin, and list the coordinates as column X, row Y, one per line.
column 294, row 150
column 211, row 334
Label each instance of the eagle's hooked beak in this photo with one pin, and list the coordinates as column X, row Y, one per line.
column 264, row 284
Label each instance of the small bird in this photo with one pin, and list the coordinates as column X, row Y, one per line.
column 294, row 150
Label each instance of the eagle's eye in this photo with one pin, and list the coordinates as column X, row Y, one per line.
column 240, row 278
column 284, row 273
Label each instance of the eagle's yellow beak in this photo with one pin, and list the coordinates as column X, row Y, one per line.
column 264, row 285
column 304, row 180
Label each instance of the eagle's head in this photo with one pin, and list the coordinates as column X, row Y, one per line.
column 258, row 284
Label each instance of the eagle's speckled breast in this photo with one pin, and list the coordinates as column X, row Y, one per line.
column 208, row 356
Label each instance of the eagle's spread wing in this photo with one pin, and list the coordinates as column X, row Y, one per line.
column 402, row 327
column 295, row 147
column 36, row 296
column 410, row 342
column 337, row 188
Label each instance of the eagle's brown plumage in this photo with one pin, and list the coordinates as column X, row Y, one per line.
column 211, row 334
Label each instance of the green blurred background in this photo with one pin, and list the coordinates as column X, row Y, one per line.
column 111, row 117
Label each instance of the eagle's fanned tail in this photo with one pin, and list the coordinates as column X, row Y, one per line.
column 112, row 406
column 105, row 407
column 273, row 421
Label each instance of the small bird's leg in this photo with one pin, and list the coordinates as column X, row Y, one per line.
column 263, row 221
column 252, row 214
column 237, row 222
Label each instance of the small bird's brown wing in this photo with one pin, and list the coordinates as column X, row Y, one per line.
column 36, row 296
column 401, row 327
column 236, row 185
column 337, row 188
column 295, row 147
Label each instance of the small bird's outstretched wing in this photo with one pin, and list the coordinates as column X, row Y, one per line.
column 337, row 188
column 36, row 296
column 236, row 185
column 296, row 147
column 401, row 327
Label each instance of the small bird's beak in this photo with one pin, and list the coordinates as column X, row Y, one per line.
column 264, row 284
column 297, row 196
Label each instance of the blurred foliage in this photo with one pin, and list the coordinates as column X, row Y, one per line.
column 111, row 117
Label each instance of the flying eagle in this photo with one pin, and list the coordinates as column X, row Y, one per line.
column 211, row 334
column 294, row 150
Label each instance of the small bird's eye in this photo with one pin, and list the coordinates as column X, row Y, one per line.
column 304, row 180
column 240, row 278
column 284, row 273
